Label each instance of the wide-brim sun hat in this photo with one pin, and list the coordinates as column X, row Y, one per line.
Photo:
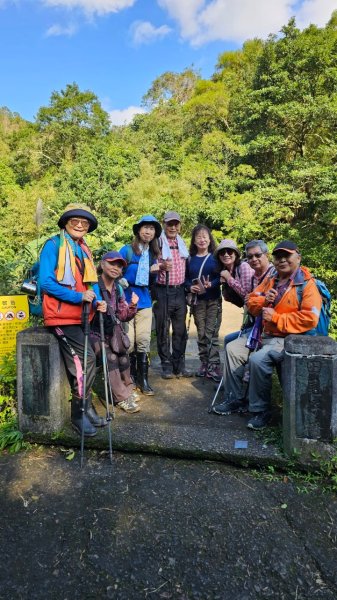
column 229, row 244
column 148, row 220
column 73, row 210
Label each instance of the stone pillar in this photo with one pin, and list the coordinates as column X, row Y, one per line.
column 42, row 384
column 310, row 395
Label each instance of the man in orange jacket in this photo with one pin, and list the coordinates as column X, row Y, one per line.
column 276, row 299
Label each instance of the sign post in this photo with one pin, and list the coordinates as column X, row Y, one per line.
column 14, row 316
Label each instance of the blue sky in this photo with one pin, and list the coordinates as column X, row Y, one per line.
column 116, row 48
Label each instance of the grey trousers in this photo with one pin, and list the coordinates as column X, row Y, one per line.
column 261, row 364
column 236, row 357
column 207, row 317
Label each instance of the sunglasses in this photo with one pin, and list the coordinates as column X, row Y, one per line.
column 256, row 255
column 84, row 222
column 227, row 251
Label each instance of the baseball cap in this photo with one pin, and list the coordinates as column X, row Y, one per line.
column 171, row 215
column 287, row 246
column 114, row 256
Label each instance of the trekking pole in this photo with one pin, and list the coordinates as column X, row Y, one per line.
column 216, row 395
column 106, row 379
column 220, row 384
column 167, row 324
column 86, row 311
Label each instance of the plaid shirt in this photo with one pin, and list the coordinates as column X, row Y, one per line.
column 241, row 284
column 257, row 280
column 177, row 275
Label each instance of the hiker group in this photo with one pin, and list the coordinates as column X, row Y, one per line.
column 157, row 274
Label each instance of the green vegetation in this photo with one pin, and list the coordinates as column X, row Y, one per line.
column 10, row 437
column 251, row 152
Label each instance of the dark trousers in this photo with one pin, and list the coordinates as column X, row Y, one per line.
column 170, row 309
column 71, row 340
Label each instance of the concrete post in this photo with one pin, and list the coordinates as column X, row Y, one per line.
column 42, row 384
column 309, row 381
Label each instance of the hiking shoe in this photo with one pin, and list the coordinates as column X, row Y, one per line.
column 230, row 407
column 184, row 373
column 129, row 405
column 167, row 375
column 214, row 372
column 201, row 372
column 260, row 420
column 135, row 397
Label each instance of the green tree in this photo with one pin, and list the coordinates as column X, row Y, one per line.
column 72, row 118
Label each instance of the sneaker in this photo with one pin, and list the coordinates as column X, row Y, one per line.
column 214, row 372
column 129, row 405
column 230, row 407
column 201, row 372
column 260, row 420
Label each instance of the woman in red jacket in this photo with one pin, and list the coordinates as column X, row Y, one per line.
column 69, row 282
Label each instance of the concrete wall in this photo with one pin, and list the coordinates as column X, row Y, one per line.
column 309, row 380
column 43, row 388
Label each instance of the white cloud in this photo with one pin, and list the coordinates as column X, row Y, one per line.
column 202, row 21
column 56, row 30
column 144, row 32
column 99, row 7
column 186, row 13
column 315, row 11
column 125, row 115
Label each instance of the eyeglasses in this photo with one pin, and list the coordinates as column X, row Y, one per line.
column 256, row 255
column 84, row 222
column 226, row 251
column 172, row 223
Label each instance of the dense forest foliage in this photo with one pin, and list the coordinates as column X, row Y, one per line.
column 251, row 152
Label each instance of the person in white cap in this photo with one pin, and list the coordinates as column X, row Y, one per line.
column 170, row 307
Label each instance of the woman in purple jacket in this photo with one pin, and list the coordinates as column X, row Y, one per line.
column 110, row 270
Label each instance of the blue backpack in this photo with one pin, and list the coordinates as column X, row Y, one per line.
column 325, row 314
column 32, row 287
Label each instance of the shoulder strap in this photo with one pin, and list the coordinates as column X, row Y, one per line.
column 299, row 291
column 110, row 310
column 202, row 265
column 129, row 253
